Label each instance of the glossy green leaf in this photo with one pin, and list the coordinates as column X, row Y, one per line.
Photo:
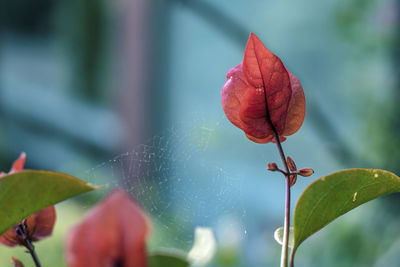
column 168, row 259
column 26, row 192
column 333, row 195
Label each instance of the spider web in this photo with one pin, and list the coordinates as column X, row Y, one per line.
column 175, row 177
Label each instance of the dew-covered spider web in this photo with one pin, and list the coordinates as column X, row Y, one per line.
column 177, row 180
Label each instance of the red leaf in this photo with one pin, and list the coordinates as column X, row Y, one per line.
column 39, row 225
column 18, row 165
column 43, row 223
column 113, row 233
column 260, row 91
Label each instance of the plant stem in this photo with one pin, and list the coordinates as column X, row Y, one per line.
column 31, row 250
column 286, row 223
column 291, row 261
column 22, row 231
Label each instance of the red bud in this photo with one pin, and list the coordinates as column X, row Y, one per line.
column 292, row 179
column 272, row 166
column 291, row 164
column 306, row 172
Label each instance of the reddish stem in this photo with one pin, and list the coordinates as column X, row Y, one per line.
column 286, row 224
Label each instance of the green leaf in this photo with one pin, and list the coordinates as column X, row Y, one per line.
column 168, row 259
column 26, row 192
column 278, row 235
column 333, row 195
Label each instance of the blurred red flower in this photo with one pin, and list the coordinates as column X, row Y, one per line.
column 37, row 226
column 259, row 92
column 113, row 233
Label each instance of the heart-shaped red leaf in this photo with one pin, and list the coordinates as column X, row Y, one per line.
column 261, row 96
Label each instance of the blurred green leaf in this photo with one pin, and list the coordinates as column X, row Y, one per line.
column 278, row 235
column 227, row 256
column 167, row 259
column 26, row 192
column 333, row 195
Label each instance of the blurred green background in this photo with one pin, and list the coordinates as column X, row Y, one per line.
column 128, row 93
